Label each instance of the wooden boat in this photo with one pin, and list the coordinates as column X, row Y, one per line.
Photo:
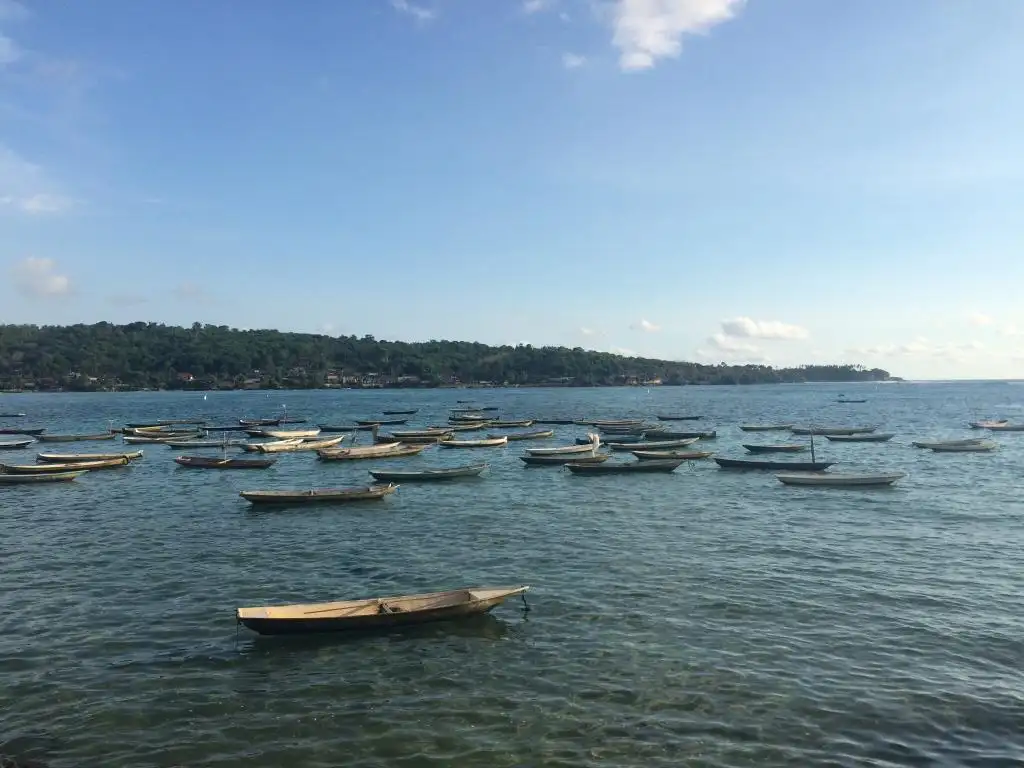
column 839, row 479
column 136, row 440
column 637, row 429
column 319, row 495
column 386, row 437
column 165, row 423
column 1006, row 428
column 412, row 433
column 794, row 466
column 291, row 434
column 511, row 424
column 670, row 455
column 375, row 613
column 564, row 458
column 160, row 432
column 469, row 418
column 652, row 445
column 674, row 417
column 613, row 423
column 664, row 434
column 469, row 426
column 933, row 443
column 786, row 448
column 427, row 475
column 869, row 437
column 320, row 445
column 565, row 450
column 987, row 423
column 766, row 427
column 228, row 428
column 851, row 401
column 203, row 443
column 485, row 443
column 554, row 422
column 385, row 451
column 74, row 458
column 826, row 431
column 273, row 446
column 982, row 446
column 537, row 434
column 14, row 445
column 37, row 469
column 380, row 422
column 12, row 415
column 75, row 438
column 590, row 468
column 46, row 477
column 209, row 462
column 400, row 413
column 347, row 428
column 34, row 432
column 292, row 420
column 259, row 422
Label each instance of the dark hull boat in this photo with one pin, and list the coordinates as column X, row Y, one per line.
column 318, row 495
column 663, row 417
column 561, row 459
column 259, row 422
column 400, row 413
column 537, row 434
column 614, row 468
column 347, row 428
column 49, row 477
column 766, row 427
column 427, row 475
column 35, row 432
column 374, row 614
column 207, row 462
column 669, row 455
column 665, row 434
column 832, row 430
column 788, row 448
column 14, row 445
column 554, row 422
column 868, row 437
column 380, row 422
column 12, row 415
column 794, row 466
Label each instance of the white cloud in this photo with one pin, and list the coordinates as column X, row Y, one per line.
column 646, row 326
column 1011, row 330
column 744, row 327
column 648, row 30
column 573, row 60
column 25, row 188
column 726, row 343
column 589, row 331
column 534, row 6
column 418, row 12
column 731, row 351
column 980, row 319
column 44, row 203
column 919, row 348
column 38, row 278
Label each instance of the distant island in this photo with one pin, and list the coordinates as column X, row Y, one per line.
column 146, row 356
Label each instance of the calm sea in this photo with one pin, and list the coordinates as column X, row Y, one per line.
column 703, row 618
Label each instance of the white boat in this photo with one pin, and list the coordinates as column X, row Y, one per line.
column 982, row 446
column 291, row 434
column 1006, row 428
column 485, row 443
column 274, row 446
column 840, row 479
column 569, row 450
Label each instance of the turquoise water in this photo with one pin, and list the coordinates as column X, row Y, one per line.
column 705, row 618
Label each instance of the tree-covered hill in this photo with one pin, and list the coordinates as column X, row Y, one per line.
column 151, row 355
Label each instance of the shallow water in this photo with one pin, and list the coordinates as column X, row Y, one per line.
column 704, row 618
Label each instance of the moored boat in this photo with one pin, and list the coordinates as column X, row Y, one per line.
column 203, row 443
column 676, row 417
column 868, row 437
column 76, row 438
column 554, row 422
column 1006, row 428
column 137, row 440
column 69, row 458
column 427, row 475
column 386, row 437
column 615, row 467
column 46, row 477
column 826, row 431
column 670, row 455
column 665, row 434
column 537, row 434
column 933, row 443
column 291, row 434
column 319, row 495
column 384, row 451
column 37, row 469
column 564, row 458
column 781, row 448
column 33, row 431
column 15, row 445
column 652, row 445
column 347, row 428
column 987, row 423
column 982, row 446
column 766, row 427
column 591, row 446
column 272, row 446
column 485, row 443
column 380, row 422
column 12, row 415
column 374, row 613
column 794, row 466
column 319, row 445
column 498, row 424
column 409, row 412
column 839, row 479
column 208, row 462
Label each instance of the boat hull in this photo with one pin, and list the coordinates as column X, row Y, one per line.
column 792, row 466
column 824, row 480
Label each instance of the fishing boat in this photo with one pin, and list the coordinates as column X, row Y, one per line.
column 12, row 415
column 228, row 428
column 652, row 445
column 672, row 455
column 605, row 439
column 862, row 437
column 319, row 445
column 563, row 458
column 427, row 475
column 380, row 422
column 69, row 458
column 469, row 426
column 839, row 479
column 554, row 422
column 203, row 443
column 782, row 448
column 635, row 429
column 159, row 432
column 320, row 495
column 850, row 401
column 982, row 446
column 34, row 431
column 933, row 443
column 485, row 443
column 14, row 445
column 347, row 428
column 766, row 427
column 259, row 422
column 988, row 423
column 375, row 613
column 400, row 413
column 37, row 469
column 826, row 431
column 664, row 434
column 794, row 466
column 498, row 424
column 137, row 440
column 676, row 417
column 273, row 446
column 75, row 438
column 413, row 433
column 291, row 434
column 591, row 446
column 1007, row 428
column 385, row 451
column 208, row 462
column 537, row 434
column 388, row 437
column 469, row 418
column 46, row 477
column 612, row 467
column 613, row 423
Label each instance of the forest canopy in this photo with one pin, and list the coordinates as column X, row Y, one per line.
column 155, row 356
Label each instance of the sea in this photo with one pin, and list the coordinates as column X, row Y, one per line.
column 700, row 618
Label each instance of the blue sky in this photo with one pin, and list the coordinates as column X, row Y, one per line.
column 773, row 180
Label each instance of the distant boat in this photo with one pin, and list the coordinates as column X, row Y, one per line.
column 12, row 415
column 862, row 437
column 988, row 423
column 590, row 446
column 435, row 432
column 468, row 426
column 49, row 477
column 485, row 443
column 203, row 443
column 140, row 440
column 206, row 462
column 652, row 445
column 36, row 469
column 1007, row 428
column 584, row 468
column 982, row 446
column 786, row 448
column 669, row 455
column 14, row 445
column 673, row 417
column 400, row 413
column 385, row 451
column 273, row 446
column 665, row 434
column 35, row 431
column 795, row 466
column 841, row 400
column 563, row 458
column 832, row 430
column 766, row 427
column 75, row 438
column 291, row 434
column 508, row 424
column 347, row 428
column 933, row 443
column 259, row 422
column 839, row 479
column 427, row 475
column 61, row 458
column 375, row 613
column 554, row 422
column 319, row 495
column 380, row 422
column 537, row 434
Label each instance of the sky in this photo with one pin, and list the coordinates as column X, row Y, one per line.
column 770, row 181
